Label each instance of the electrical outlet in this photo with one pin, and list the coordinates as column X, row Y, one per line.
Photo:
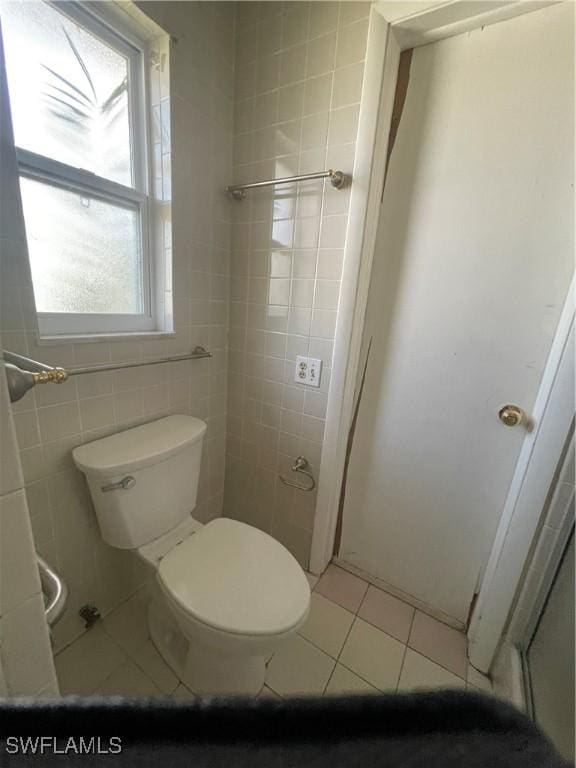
column 308, row 370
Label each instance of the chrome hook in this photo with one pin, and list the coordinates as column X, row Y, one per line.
column 300, row 465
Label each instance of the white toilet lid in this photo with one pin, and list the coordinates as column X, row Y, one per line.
column 235, row 578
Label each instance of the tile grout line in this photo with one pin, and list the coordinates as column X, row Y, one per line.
column 438, row 664
column 131, row 657
column 405, row 651
column 371, row 624
column 138, row 668
column 338, row 658
column 266, row 683
column 127, row 656
column 125, row 651
column 407, row 642
column 336, row 661
column 101, row 683
column 380, row 690
column 434, row 661
column 101, row 621
column 368, row 585
column 346, row 638
column 148, row 676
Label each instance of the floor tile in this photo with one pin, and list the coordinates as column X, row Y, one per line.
column 128, row 680
column 439, row 642
column 373, row 655
column 387, row 612
column 84, row 665
column 478, row 680
column 327, row 625
column 128, row 624
column 419, row 672
column 344, row 682
column 312, row 579
column 154, row 666
column 342, row 587
column 268, row 693
column 299, row 668
column 182, row 693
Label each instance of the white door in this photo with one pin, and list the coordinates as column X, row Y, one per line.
column 472, row 265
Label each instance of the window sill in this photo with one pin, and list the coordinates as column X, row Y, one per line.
column 51, row 341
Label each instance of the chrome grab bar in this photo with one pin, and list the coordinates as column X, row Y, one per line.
column 55, row 590
column 22, row 373
column 300, row 465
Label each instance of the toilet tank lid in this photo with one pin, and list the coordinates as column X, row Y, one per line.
column 140, row 446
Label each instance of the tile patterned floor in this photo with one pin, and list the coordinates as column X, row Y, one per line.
column 357, row 639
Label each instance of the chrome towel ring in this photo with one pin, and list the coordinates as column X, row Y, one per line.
column 300, row 465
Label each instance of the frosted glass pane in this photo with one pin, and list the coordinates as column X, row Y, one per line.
column 68, row 91
column 85, row 253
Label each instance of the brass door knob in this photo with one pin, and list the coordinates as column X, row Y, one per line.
column 511, row 415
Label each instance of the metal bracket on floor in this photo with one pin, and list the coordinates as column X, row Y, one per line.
column 90, row 614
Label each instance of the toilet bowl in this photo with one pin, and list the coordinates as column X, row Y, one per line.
column 236, row 594
column 225, row 595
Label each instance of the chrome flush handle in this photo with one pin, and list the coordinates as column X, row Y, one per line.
column 122, row 485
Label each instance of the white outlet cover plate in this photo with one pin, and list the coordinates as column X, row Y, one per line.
column 308, row 371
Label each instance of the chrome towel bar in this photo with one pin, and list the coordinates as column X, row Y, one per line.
column 23, row 373
column 197, row 353
column 337, row 179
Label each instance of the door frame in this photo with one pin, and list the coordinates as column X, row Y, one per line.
column 393, row 27
column 552, row 414
column 510, row 678
column 546, row 587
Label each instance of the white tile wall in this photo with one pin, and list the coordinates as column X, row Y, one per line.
column 53, row 420
column 299, row 72
column 18, row 572
column 25, row 655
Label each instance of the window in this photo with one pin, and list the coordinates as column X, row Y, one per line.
column 77, row 92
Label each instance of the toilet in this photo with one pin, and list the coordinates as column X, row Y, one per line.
column 225, row 595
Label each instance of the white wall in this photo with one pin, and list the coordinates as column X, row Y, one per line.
column 472, row 265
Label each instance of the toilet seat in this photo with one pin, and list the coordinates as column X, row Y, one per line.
column 236, row 579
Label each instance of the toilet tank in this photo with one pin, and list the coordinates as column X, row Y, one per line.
column 143, row 481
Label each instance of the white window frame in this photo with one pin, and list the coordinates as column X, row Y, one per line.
column 137, row 197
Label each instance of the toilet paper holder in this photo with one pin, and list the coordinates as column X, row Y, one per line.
column 300, row 465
